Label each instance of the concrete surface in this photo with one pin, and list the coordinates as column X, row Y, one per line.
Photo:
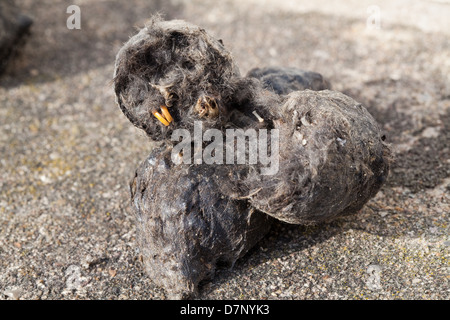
column 66, row 231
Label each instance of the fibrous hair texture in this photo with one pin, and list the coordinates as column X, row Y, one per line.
column 332, row 160
column 186, row 226
column 176, row 64
column 332, row 157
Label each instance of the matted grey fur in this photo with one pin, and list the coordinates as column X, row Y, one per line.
column 332, row 157
column 176, row 64
column 284, row 80
column 186, row 227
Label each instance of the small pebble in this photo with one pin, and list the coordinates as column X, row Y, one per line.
column 383, row 213
column 13, row 293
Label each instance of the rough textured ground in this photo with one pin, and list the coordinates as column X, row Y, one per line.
column 66, row 230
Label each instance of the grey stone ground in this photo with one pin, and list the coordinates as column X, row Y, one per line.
column 66, row 231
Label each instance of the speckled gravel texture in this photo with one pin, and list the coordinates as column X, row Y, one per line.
column 68, row 153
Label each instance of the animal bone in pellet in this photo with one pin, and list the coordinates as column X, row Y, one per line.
column 178, row 65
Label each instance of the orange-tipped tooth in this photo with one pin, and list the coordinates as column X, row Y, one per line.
column 160, row 118
column 166, row 114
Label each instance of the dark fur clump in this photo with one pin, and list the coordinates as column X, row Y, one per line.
column 191, row 218
column 332, row 160
column 186, row 226
column 172, row 63
column 286, row 80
